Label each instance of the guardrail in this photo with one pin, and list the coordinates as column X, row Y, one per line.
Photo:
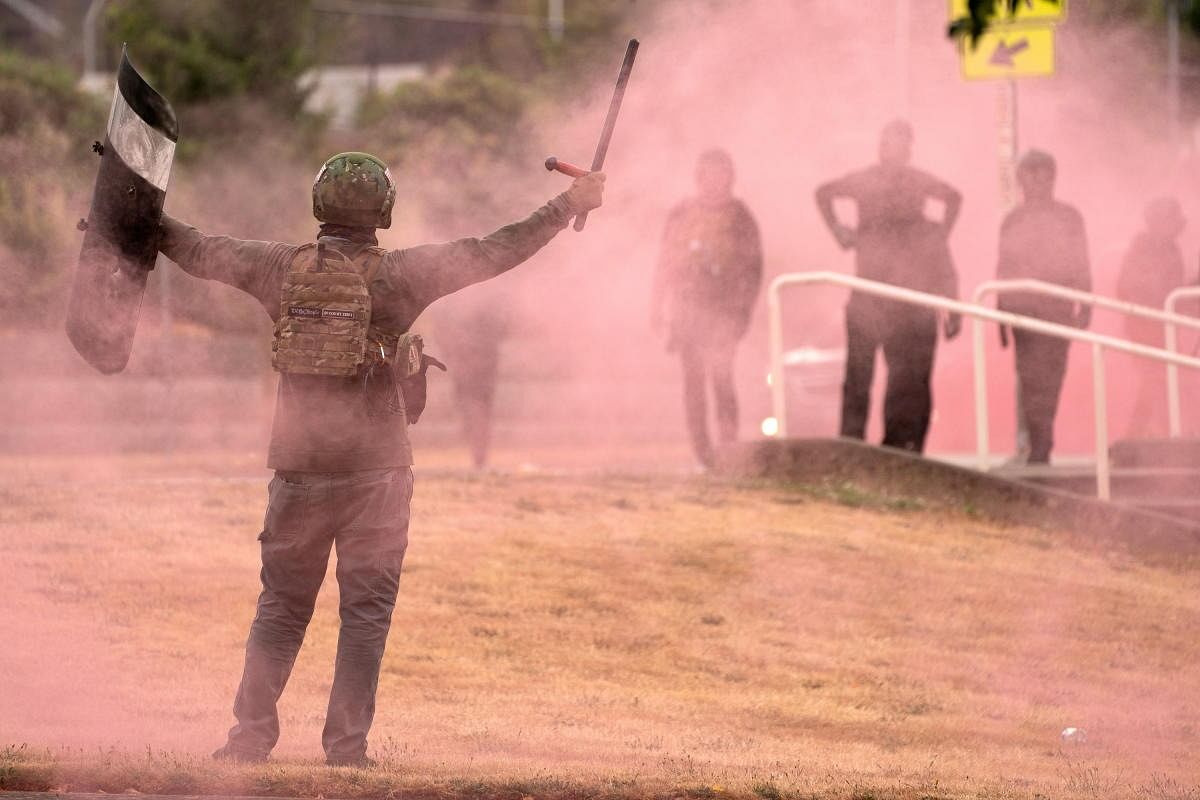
column 1171, row 343
column 1167, row 315
column 978, row 314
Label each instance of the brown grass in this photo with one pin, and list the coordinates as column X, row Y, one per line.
column 609, row 636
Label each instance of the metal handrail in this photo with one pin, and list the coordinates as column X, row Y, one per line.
column 1174, row 417
column 1086, row 298
column 979, row 314
column 1167, row 315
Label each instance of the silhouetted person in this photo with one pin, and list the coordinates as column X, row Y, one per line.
column 1042, row 239
column 470, row 330
column 708, row 276
column 894, row 243
column 1151, row 269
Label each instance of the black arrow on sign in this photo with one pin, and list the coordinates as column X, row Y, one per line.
column 1003, row 57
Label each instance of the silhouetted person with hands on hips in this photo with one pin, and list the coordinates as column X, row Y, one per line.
column 894, row 243
column 1042, row 239
column 708, row 276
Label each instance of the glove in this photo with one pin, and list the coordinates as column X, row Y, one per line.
column 952, row 326
column 586, row 193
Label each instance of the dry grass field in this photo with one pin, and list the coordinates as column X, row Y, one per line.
column 600, row 635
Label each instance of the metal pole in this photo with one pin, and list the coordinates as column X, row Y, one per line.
column 981, row 400
column 1174, row 424
column 91, row 22
column 1172, row 9
column 1032, row 286
column 1174, row 412
column 1098, row 341
column 1007, row 153
column 44, row 21
column 1103, row 478
column 903, row 49
column 372, row 60
column 775, row 331
column 556, row 19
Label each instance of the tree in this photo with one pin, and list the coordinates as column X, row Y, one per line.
column 46, row 125
column 206, row 51
column 980, row 16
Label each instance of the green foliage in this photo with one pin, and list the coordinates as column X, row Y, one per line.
column 207, row 50
column 981, row 14
column 767, row 790
column 453, row 137
column 473, row 98
column 459, row 136
column 596, row 29
column 46, row 125
column 37, row 93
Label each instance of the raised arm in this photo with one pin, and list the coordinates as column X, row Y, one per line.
column 256, row 268
column 435, row 270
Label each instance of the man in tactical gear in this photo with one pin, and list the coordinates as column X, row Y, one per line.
column 894, row 243
column 709, row 272
column 339, row 445
column 1042, row 239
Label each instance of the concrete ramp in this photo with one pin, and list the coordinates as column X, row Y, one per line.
column 937, row 485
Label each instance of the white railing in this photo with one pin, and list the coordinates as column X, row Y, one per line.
column 1171, row 342
column 1168, row 316
column 978, row 314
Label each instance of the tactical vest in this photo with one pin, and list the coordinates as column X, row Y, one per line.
column 324, row 325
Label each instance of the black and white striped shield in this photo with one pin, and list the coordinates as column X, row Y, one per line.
column 121, row 240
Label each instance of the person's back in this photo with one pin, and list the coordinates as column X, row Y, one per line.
column 339, row 445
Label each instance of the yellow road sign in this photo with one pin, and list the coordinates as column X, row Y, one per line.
column 1028, row 11
column 1009, row 53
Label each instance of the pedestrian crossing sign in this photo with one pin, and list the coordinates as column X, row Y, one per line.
column 1009, row 52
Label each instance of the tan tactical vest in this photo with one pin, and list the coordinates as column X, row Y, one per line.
column 324, row 325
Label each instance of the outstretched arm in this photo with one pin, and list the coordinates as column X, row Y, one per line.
column 256, row 268
column 435, row 270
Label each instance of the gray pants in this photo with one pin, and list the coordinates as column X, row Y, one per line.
column 365, row 514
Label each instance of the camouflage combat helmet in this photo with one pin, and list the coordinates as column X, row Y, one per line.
column 354, row 189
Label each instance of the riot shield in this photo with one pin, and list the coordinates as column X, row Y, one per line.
column 120, row 242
